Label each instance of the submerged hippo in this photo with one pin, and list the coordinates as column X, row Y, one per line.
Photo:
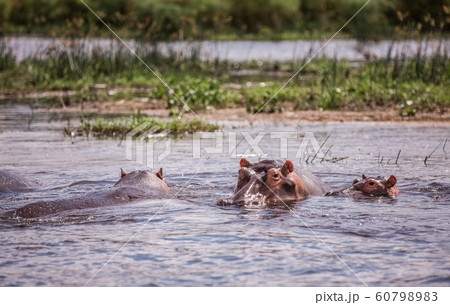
column 140, row 184
column 272, row 181
column 12, row 182
column 379, row 186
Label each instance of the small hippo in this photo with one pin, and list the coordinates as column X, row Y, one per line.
column 12, row 182
column 272, row 181
column 373, row 187
column 140, row 184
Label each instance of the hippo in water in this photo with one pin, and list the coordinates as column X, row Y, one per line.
column 272, row 181
column 373, row 187
column 140, row 184
column 12, row 182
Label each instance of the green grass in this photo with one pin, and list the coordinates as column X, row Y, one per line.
column 119, row 127
column 333, row 85
column 323, row 84
column 197, row 93
column 230, row 19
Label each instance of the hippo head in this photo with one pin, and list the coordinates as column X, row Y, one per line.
column 266, row 182
column 379, row 186
column 144, row 179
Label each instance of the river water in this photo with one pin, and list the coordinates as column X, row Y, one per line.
column 188, row 240
column 241, row 51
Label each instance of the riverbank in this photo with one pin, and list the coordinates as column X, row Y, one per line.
column 393, row 88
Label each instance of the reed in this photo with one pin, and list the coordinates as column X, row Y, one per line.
column 407, row 85
column 99, row 126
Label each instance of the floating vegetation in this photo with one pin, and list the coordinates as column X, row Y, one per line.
column 120, row 126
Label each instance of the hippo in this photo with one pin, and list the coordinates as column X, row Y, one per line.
column 12, row 182
column 272, row 181
column 373, row 187
column 140, row 184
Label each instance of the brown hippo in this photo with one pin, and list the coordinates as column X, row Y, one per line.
column 12, row 182
column 140, row 184
column 272, row 181
column 379, row 186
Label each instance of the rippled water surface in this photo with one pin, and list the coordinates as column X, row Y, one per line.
column 190, row 241
column 352, row 50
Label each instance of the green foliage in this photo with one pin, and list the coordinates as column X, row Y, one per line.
column 420, row 15
column 70, row 66
column 332, row 99
column 258, row 15
column 268, row 99
column 195, row 93
column 7, row 59
column 114, row 127
column 323, row 84
column 334, row 85
column 205, row 19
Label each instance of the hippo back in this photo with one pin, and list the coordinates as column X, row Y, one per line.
column 145, row 181
column 314, row 186
column 12, row 182
column 92, row 200
column 133, row 186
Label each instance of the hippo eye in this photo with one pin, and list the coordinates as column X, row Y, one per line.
column 276, row 175
column 371, row 183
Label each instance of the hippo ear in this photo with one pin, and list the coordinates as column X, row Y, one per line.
column 122, row 173
column 245, row 163
column 288, row 167
column 391, row 181
column 364, row 177
column 159, row 174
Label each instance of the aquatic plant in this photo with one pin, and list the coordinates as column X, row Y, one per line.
column 119, row 126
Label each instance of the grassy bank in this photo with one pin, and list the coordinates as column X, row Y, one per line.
column 118, row 127
column 229, row 19
column 409, row 85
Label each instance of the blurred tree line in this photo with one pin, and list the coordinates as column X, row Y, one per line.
column 202, row 19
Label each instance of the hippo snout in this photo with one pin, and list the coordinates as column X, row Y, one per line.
column 249, row 203
column 226, row 201
column 271, row 181
column 241, row 201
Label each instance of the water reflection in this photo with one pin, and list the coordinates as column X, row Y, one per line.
column 241, row 51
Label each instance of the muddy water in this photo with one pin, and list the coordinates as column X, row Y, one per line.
column 193, row 242
column 241, row 51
